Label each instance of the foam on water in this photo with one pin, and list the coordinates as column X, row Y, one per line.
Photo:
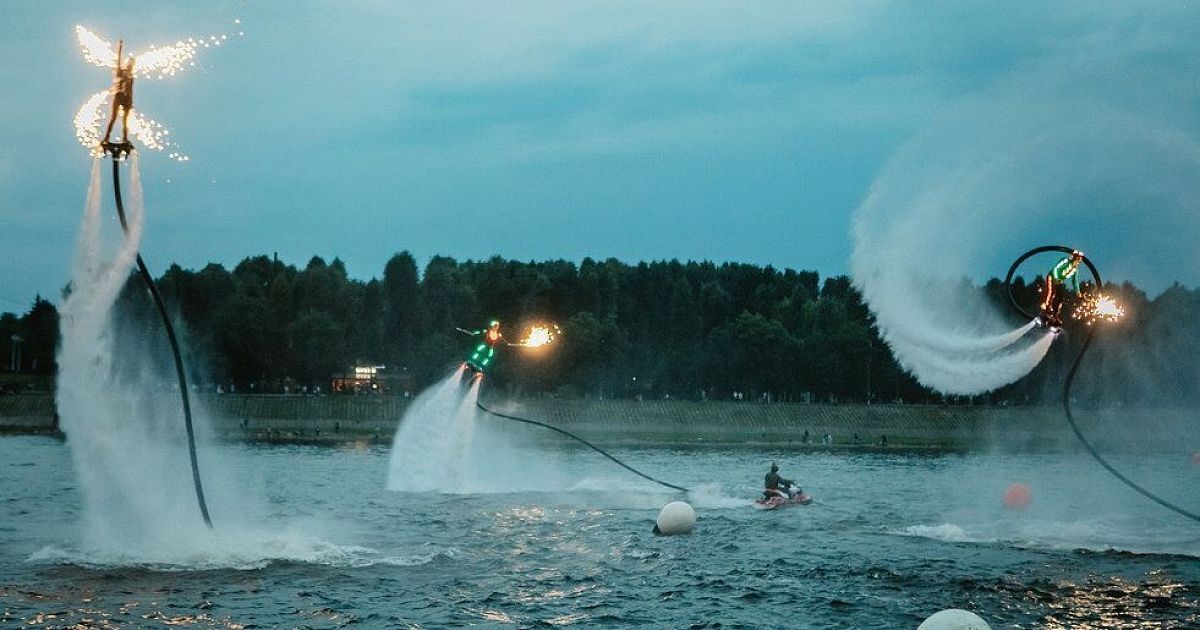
column 246, row 552
column 711, row 496
column 1098, row 534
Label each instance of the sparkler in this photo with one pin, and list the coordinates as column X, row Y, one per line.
column 158, row 62
column 1094, row 307
column 540, row 335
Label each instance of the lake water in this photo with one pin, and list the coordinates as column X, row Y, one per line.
column 316, row 540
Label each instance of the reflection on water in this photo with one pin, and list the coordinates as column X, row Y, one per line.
column 890, row 539
column 1117, row 602
column 83, row 612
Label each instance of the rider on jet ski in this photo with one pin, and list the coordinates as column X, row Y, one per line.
column 776, row 486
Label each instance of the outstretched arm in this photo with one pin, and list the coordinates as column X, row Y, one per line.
column 473, row 333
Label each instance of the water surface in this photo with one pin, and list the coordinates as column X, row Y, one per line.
column 320, row 542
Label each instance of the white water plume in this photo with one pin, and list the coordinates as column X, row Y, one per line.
column 446, row 444
column 127, row 442
column 120, row 411
column 1054, row 156
column 434, row 438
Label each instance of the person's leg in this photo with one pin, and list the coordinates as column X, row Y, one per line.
column 112, row 119
column 125, row 124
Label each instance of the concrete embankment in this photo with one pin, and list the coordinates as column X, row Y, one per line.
column 375, row 418
column 28, row 413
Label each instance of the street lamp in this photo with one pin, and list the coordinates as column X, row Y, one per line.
column 15, row 361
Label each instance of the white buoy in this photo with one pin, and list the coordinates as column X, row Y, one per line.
column 676, row 517
column 954, row 619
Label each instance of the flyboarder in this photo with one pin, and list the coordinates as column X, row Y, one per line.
column 1065, row 270
column 485, row 351
column 122, row 103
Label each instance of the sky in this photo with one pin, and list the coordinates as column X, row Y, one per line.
column 696, row 130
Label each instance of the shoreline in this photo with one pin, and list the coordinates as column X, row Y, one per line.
column 339, row 420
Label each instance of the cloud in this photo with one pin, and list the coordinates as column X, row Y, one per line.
column 324, row 107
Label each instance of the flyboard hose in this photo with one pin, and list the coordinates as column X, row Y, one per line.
column 1066, row 392
column 162, row 311
column 583, row 441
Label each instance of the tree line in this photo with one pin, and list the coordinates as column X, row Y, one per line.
column 690, row 330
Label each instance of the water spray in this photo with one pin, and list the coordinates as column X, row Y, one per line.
column 1105, row 309
column 166, row 320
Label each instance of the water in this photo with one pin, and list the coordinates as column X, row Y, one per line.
column 891, row 538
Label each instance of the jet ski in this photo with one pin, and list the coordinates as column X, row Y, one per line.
column 779, row 500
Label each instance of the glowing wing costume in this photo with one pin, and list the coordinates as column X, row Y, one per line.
column 156, row 63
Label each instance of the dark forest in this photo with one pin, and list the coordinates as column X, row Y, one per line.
column 694, row 330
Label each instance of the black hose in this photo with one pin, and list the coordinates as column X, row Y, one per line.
column 579, row 439
column 162, row 311
column 1070, row 380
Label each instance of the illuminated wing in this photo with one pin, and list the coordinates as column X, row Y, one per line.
column 96, row 51
column 87, row 121
column 153, row 135
column 165, row 61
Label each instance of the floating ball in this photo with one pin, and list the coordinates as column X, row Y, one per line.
column 954, row 619
column 1017, row 496
column 676, row 517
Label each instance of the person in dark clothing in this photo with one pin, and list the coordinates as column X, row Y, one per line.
column 776, row 486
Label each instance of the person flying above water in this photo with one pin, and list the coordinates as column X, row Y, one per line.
column 1054, row 285
column 485, row 351
column 122, row 100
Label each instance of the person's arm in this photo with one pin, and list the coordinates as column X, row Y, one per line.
column 473, row 333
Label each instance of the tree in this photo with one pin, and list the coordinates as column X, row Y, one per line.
column 40, row 325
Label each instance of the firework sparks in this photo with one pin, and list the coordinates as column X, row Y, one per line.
column 158, row 62
column 87, row 121
column 1098, row 307
column 540, row 335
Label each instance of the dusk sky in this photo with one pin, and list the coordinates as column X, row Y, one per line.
column 744, row 131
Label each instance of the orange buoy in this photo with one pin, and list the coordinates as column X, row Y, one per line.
column 1017, row 496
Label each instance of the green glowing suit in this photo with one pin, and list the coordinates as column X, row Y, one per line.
column 1066, row 269
column 1063, row 271
column 485, row 351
